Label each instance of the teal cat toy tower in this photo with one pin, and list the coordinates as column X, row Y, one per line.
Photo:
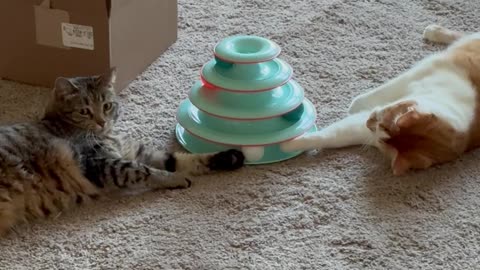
column 245, row 99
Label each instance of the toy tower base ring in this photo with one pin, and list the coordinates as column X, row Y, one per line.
column 271, row 153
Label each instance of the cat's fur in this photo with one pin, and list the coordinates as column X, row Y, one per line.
column 73, row 154
column 428, row 115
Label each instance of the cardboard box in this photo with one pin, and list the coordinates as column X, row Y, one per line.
column 44, row 39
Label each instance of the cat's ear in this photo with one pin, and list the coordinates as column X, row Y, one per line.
column 107, row 80
column 64, row 86
column 400, row 165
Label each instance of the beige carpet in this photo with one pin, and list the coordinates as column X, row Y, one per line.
column 330, row 210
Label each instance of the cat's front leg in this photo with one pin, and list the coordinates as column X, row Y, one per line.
column 121, row 173
column 396, row 88
column 351, row 130
column 380, row 96
column 186, row 163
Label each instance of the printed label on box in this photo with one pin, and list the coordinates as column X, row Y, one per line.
column 77, row 36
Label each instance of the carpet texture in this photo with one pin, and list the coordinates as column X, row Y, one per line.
column 323, row 210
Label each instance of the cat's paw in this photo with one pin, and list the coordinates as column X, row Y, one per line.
column 178, row 181
column 434, row 33
column 226, row 160
column 170, row 181
column 439, row 34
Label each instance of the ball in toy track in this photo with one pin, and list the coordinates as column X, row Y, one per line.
column 253, row 153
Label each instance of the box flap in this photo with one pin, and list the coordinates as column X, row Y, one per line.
column 47, row 21
column 140, row 30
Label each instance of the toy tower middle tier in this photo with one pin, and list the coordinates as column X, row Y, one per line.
column 245, row 98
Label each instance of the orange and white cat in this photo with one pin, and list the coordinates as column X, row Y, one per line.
column 428, row 115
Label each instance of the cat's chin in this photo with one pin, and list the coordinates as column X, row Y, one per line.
column 98, row 131
column 101, row 130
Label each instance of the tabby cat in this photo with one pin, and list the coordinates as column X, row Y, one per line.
column 73, row 155
column 429, row 114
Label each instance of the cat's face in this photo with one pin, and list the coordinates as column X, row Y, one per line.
column 88, row 103
column 412, row 138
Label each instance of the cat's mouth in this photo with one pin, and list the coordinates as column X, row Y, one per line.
column 101, row 129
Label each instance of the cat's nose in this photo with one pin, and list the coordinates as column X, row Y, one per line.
column 101, row 123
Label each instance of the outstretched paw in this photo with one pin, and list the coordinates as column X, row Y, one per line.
column 433, row 32
column 164, row 180
column 439, row 34
column 226, row 160
column 179, row 182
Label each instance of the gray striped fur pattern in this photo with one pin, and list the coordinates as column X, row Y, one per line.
column 74, row 155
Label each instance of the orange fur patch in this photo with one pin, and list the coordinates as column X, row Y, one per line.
column 467, row 57
column 416, row 140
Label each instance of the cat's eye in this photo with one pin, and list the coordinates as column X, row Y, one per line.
column 107, row 106
column 84, row 112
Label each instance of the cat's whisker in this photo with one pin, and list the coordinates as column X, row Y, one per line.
column 58, row 215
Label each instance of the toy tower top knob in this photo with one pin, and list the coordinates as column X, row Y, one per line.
column 245, row 49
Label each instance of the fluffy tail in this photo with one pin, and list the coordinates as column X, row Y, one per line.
column 439, row 34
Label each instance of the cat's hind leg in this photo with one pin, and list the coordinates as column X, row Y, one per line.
column 349, row 131
column 388, row 92
column 396, row 88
